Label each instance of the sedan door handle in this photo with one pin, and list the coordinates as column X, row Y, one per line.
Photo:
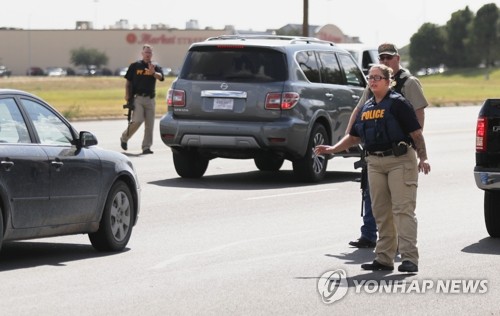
column 355, row 97
column 329, row 95
column 7, row 165
column 57, row 164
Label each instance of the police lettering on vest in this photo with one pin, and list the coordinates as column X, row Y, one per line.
column 373, row 114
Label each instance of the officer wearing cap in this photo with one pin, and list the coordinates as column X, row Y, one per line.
column 409, row 86
column 391, row 135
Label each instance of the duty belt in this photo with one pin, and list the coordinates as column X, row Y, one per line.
column 385, row 153
column 150, row 95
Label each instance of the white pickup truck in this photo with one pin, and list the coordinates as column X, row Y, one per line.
column 364, row 55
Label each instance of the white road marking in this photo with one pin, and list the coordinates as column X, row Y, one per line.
column 287, row 194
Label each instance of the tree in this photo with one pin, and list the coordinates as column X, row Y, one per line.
column 427, row 47
column 458, row 45
column 88, row 57
column 485, row 33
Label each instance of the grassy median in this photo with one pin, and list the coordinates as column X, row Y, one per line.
column 84, row 97
column 103, row 97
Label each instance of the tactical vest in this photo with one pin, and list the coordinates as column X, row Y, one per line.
column 399, row 81
column 376, row 125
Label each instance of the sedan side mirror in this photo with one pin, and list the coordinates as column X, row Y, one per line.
column 87, row 139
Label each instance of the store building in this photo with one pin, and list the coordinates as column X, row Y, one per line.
column 23, row 49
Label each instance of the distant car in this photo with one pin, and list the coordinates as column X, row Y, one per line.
column 167, row 71
column 121, row 71
column 4, row 71
column 104, row 72
column 56, row 72
column 266, row 98
column 35, row 71
column 69, row 71
column 55, row 181
column 432, row 70
column 93, row 71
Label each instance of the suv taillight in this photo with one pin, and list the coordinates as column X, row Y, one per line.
column 281, row 101
column 176, row 98
column 481, row 134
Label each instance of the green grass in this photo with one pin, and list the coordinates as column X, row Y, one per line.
column 103, row 97
column 84, row 97
column 459, row 87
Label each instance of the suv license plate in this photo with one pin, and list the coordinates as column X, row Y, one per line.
column 223, row 104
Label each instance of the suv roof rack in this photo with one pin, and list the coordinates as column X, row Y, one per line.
column 292, row 39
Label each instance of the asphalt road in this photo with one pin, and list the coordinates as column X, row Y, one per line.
column 242, row 242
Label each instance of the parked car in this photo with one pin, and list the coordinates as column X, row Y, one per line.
column 35, row 71
column 487, row 169
column 4, row 71
column 266, row 98
column 364, row 55
column 167, row 71
column 56, row 72
column 69, row 71
column 93, row 71
column 432, row 70
column 55, row 181
column 122, row 71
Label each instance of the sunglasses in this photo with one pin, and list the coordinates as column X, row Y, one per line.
column 386, row 57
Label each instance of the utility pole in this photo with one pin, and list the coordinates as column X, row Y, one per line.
column 305, row 21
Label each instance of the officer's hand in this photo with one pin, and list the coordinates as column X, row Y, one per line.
column 151, row 68
column 424, row 166
column 321, row 149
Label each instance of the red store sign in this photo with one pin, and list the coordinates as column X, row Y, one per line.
column 148, row 38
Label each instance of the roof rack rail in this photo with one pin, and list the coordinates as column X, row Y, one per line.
column 312, row 40
column 292, row 39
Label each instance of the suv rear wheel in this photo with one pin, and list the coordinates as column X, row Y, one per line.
column 269, row 162
column 311, row 167
column 492, row 212
column 189, row 164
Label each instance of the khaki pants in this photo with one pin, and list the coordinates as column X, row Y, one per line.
column 393, row 185
column 144, row 112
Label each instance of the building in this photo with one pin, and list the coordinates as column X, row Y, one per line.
column 122, row 45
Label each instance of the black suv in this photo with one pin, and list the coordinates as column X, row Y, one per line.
column 266, row 98
column 487, row 169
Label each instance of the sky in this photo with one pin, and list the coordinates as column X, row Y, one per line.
column 373, row 21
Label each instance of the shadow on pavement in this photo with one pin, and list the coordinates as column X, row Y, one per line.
column 254, row 180
column 486, row 246
column 21, row 255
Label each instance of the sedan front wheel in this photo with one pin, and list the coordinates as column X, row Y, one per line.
column 116, row 223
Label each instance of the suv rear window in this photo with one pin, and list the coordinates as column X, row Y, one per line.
column 234, row 63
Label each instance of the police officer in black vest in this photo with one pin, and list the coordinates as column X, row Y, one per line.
column 140, row 96
column 409, row 86
column 391, row 136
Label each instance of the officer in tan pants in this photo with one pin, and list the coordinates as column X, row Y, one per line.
column 391, row 135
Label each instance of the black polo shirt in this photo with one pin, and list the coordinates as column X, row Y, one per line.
column 143, row 81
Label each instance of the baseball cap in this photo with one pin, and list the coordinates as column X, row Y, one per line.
column 387, row 49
